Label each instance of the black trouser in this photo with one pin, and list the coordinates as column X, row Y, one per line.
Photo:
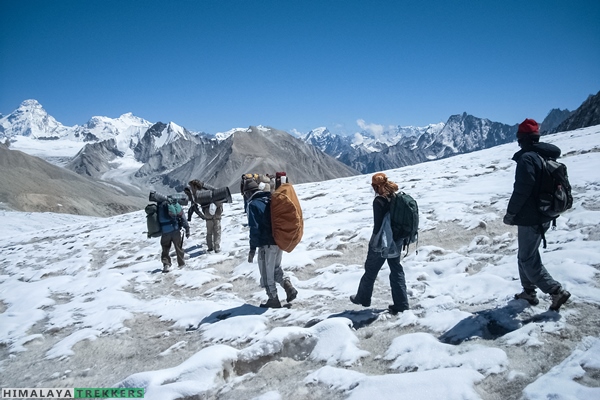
column 373, row 264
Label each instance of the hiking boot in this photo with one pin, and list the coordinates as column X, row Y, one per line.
column 530, row 296
column 558, row 299
column 273, row 302
column 393, row 310
column 355, row 301
column 290, row 290
column 165, row 269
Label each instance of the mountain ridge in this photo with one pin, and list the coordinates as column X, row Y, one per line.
column 165, row 156
column 28, row 183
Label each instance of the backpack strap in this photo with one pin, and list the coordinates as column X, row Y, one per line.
column 541, row 228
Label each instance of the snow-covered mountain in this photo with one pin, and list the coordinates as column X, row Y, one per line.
column 127, row 130
column 164, row 153
column 369, row 152
column 220, row 136
column 31, row 120
column 466, row 133
column 327, row 142
column 257, row 149
column 365, row 141
column 375, row 150
column 373, row 142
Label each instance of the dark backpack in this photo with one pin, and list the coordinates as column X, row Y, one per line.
column 152, row 223
column 554, row 195
column 153, row 220
column 404, row 216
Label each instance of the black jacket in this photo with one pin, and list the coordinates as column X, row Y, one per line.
column 522, row 203
column 381, row 206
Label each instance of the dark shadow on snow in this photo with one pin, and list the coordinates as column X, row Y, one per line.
column 495, row 323
column 359, row 319
column 192, row 248
column 244, row 309
column 194, row 251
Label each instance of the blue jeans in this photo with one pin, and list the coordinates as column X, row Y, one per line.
column 373, row 264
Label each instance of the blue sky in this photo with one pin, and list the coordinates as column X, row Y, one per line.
column 296, row 65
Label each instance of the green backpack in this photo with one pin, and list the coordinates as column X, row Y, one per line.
column 404, row 216
column 175, row 208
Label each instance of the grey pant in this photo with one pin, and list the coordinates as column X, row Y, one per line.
column 213, row 233
column 269, row 266
column 531, row 270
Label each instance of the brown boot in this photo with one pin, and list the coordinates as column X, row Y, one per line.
column 273, row 302
column 290, row 290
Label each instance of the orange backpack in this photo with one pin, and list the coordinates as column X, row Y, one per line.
column 286, row 217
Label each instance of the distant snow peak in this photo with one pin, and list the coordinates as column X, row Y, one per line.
column 373, row 139
column 168, row 133
column 320, row 137
column 263, row 128
column 172, row 127
column 220, row 136
column 31, row 103
column 319, row 132
column 127, row 130
column 31, row 120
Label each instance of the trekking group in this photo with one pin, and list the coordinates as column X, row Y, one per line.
column 541, row 193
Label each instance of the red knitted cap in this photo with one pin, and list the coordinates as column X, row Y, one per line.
column 529, row 127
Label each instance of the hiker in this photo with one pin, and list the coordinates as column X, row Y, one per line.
column 209, row 212
column 522, row 211
column 261, row 239
column 384, row 190
column 264, row 182
column 172, row 221
column 246, row 178
column 280, row 178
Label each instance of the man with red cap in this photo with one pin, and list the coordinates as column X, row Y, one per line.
column 522, row 211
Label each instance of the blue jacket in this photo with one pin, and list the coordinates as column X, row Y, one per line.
column 259, row 220
column 167, row 216
column 523, row 203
